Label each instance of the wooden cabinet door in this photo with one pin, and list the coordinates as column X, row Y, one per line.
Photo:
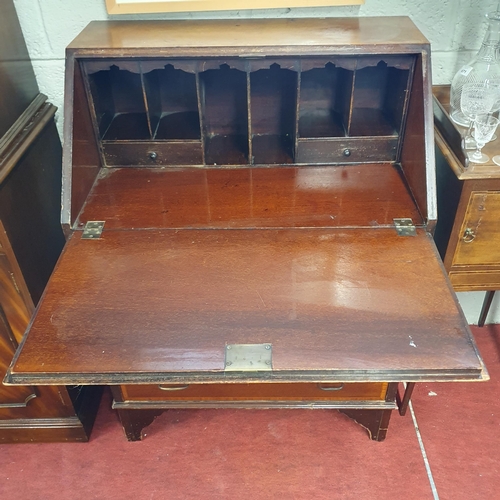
column 10, row 396
column 16, row 309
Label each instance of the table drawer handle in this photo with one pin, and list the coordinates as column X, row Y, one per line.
column 469, row 235
column 175, row 388
column 340, row 387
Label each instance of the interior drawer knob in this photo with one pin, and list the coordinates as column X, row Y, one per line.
column 173, row 387
column 334, row 388
column 469, row 235
column 153, row 155
column 347, row 152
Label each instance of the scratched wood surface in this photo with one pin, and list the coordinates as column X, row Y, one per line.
column 144, row 304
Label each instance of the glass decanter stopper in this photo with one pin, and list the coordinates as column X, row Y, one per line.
column 484, row 69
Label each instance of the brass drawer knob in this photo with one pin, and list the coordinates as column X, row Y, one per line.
column 469, row 235
column 173, row 388
column 335, row 388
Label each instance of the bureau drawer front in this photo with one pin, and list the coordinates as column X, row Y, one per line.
column 373, row 391
column 153, row 153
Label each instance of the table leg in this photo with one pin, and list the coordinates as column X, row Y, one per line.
column 488, row 298
column 375, row 422
column 134, row 421
column 404, row 401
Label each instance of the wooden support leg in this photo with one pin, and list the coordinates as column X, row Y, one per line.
column 134, row 421
column 375, row 422
column 488, row 299
column 405, row 400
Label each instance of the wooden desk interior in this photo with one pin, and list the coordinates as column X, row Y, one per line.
column 363, row 195
column 334, row 299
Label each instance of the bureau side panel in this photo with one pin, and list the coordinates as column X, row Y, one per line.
column 81, row 156
column 449, row 189
column 417, row 156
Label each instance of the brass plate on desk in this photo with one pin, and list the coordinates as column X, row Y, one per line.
column 248, row 357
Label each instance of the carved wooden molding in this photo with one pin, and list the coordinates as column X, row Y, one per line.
column 41, row 423
column 23, row 133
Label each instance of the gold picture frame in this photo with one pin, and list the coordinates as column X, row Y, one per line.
column 152, row 6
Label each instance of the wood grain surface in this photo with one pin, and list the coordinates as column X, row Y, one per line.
column 276, row 35
column 356, row 195
column 339, row 305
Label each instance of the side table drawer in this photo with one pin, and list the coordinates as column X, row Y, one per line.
column 479, row 237
column 475, row 280
column 372, row 391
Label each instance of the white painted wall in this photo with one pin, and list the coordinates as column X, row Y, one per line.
column 454, row 27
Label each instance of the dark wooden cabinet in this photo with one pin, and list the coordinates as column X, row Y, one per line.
column 31, row 241
column 266, row 195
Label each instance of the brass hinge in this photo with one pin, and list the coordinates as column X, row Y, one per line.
column 93, row 229
column 405, row 227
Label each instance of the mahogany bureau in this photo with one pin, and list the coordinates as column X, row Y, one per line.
column 248, row 208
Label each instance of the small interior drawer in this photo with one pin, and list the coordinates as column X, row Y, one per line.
column 342, row 150
column 373, row 391
column 153, row 153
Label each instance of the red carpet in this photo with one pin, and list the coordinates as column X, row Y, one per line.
column 279, row 454
column 461, row 428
